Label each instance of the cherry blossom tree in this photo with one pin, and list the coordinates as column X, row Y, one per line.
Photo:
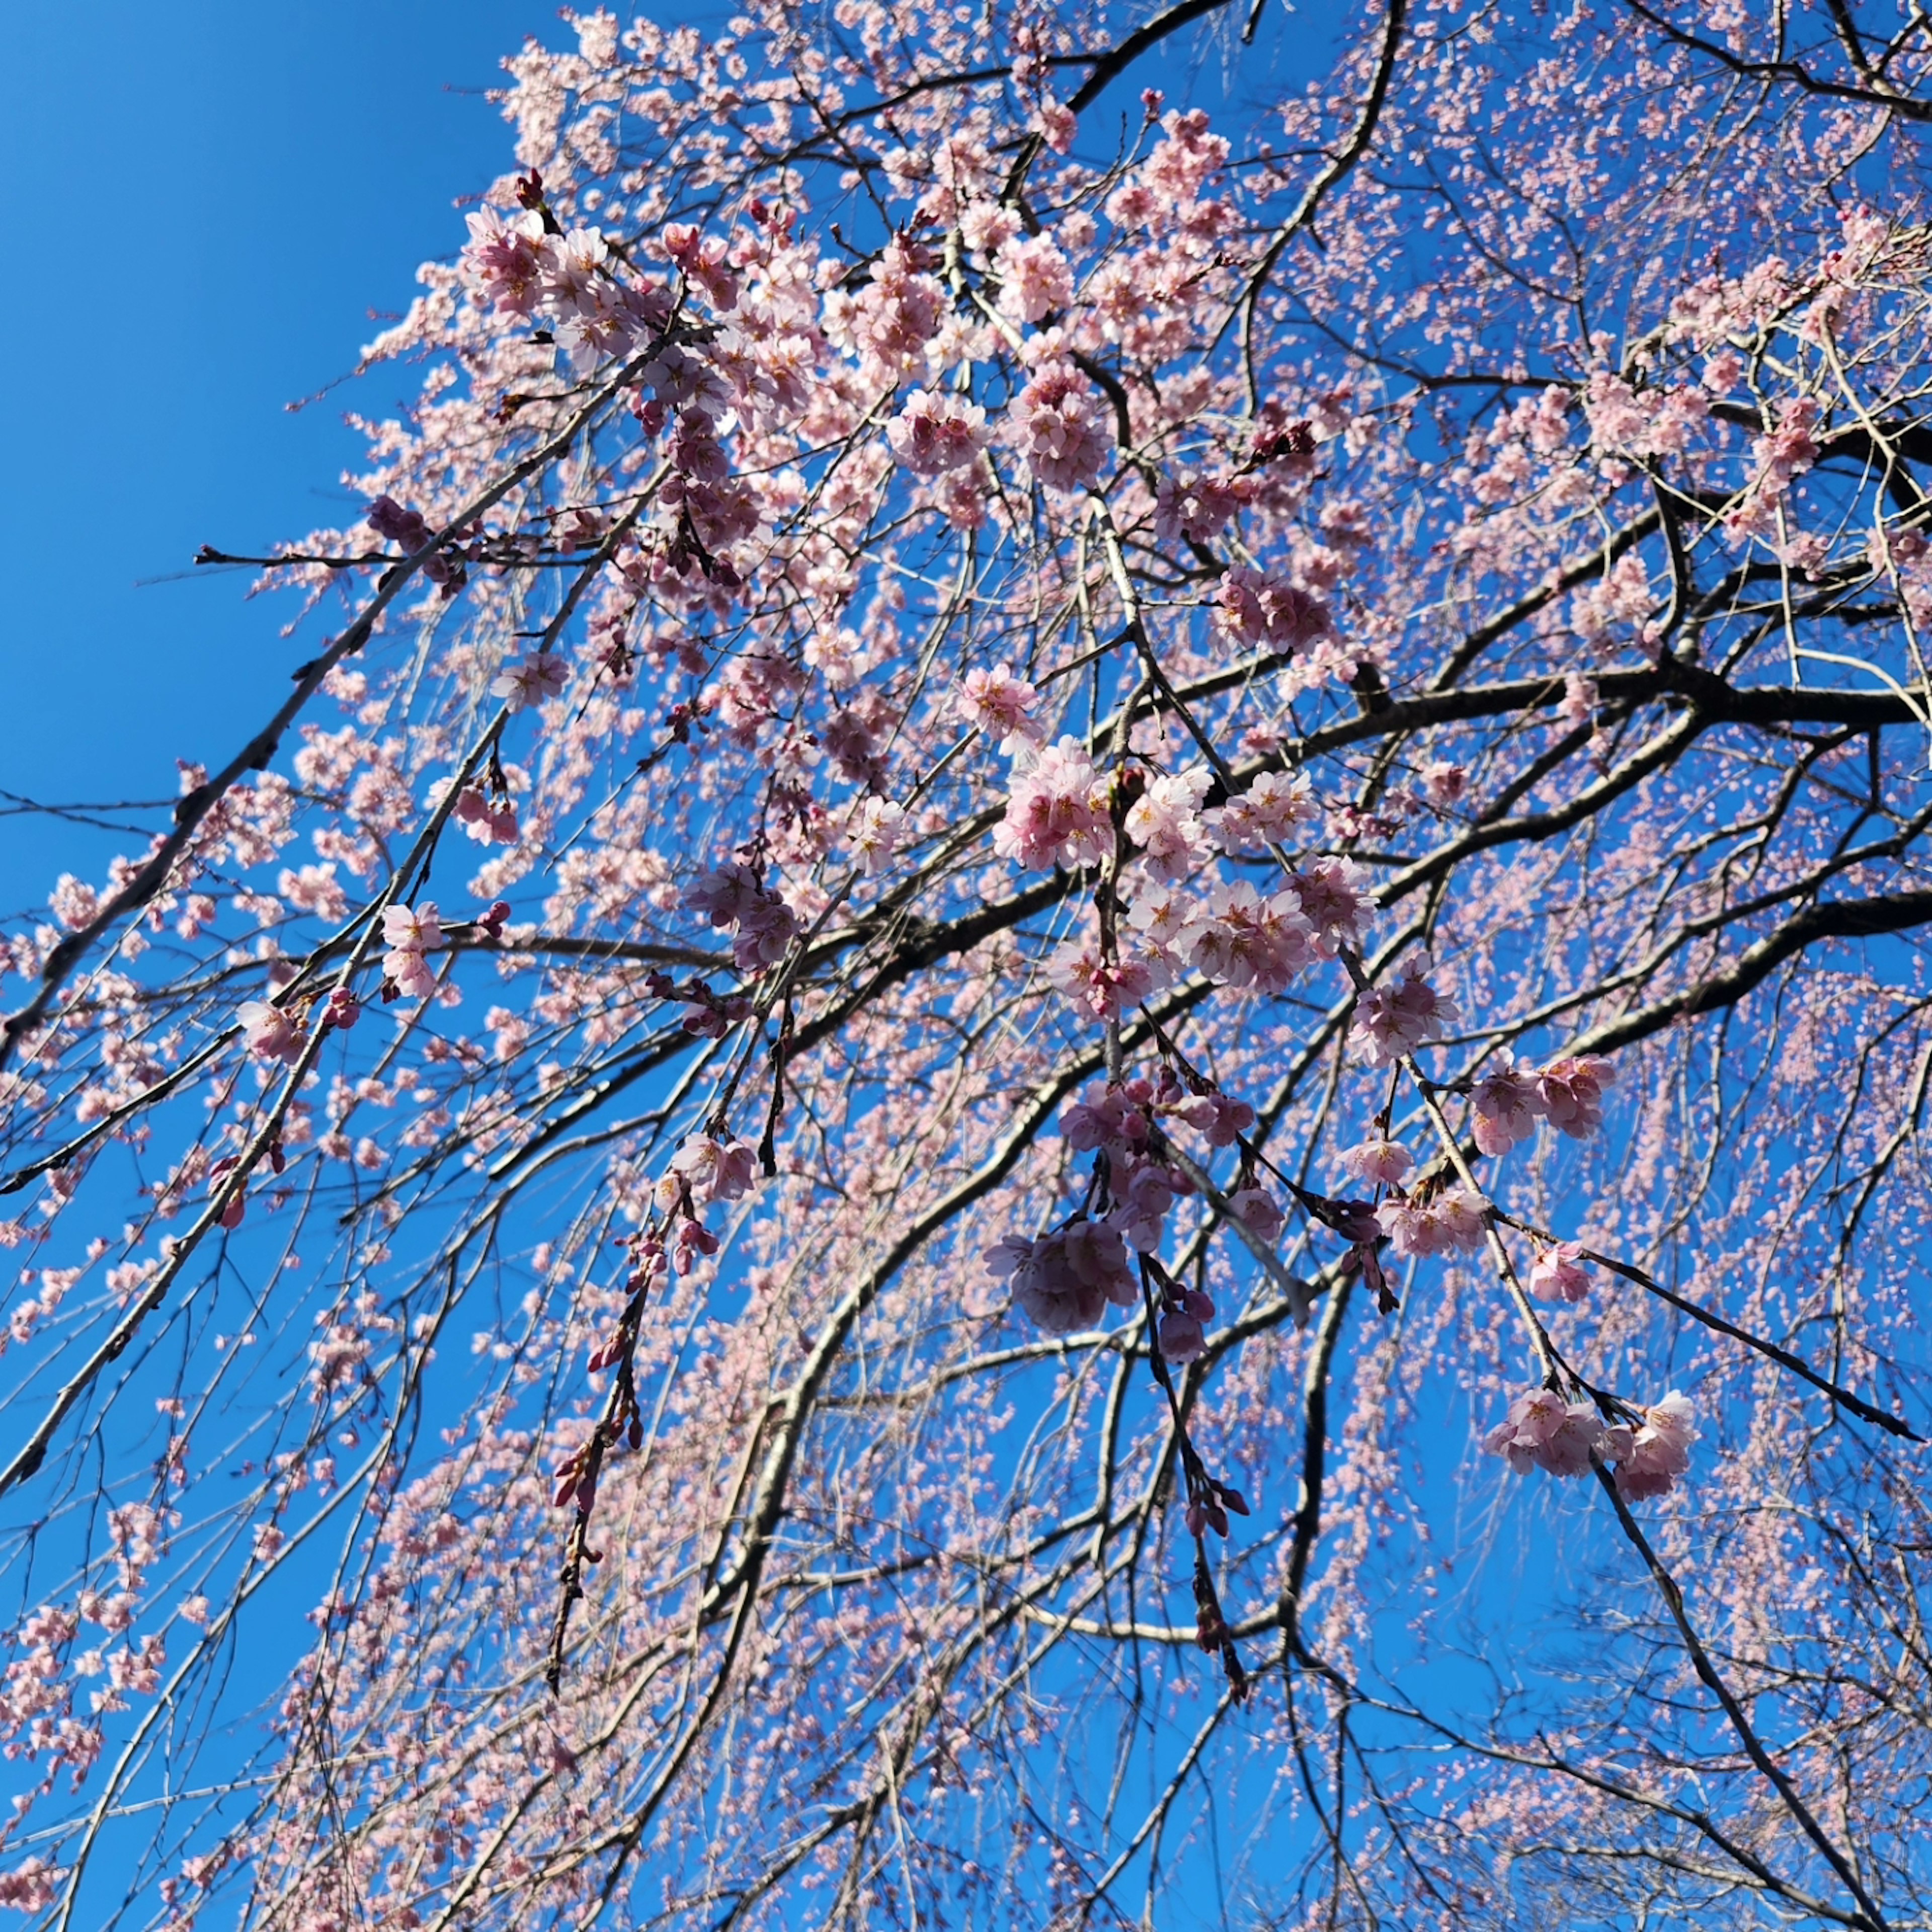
column 1063, row 1061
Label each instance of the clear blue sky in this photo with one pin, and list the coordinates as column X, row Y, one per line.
column 223, row 190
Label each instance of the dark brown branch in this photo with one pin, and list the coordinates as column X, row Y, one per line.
column 1314, row 1456
column 1708, row 1675
column 1339, row 164
column 1835, row 918
column 1783, row 1357
column 1783, row 70
column 1107, row 68
column 256, row 755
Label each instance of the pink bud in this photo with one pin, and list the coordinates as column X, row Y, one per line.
column 1204, row 1513
column 1181, row 1337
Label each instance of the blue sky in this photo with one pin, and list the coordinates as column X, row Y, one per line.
column 224, row 191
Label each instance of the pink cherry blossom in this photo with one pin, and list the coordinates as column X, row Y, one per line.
column 416, row 928
column 1337, row 901
column 703, row 260
column 763, row 937
column 891, row 319
column 1542, row 1431
column 1198, row 507
column 1182, row 1332
column 1241, row 939
column 1104, row 988
column 1065, row 1280
column 1269, row 611
column 1506, row 1106
column 1377, row 1163
column 1790, row 449
column 411, row 973
column 1572, row 1093
column 1274, row 807
column 391, row 521
column 714, row 1171
column 732, row 895
column 505, row 258
column 32, row 1886
column 1060, row 428
column 876, row 830
column 1056, row 811
column 1180, row 1336
column 1558, row 1274
column 573, row 265
column 1392, row 1021
column 725, row 895
column 1164, row 821
column 1108, row 1116
column 1144, row 1191
column 1453, row 1222
column 271, row 1033
column 531, row 681
column 1000, row 704
column 1258, row 1211
column 1219, row 1118
column 934, row 433
column 1034, row 278
column 1659, row 1450
column 485, row 819
column 1058, row 124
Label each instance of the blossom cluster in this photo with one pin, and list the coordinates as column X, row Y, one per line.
column 763, row 927
column 1014, row 635
column 1646, row 1454
column 1138, row 1181
column 703, row 1172
column 1066, row 1279
column 1568, row 1093
column 522, row 269
column 411, row 933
